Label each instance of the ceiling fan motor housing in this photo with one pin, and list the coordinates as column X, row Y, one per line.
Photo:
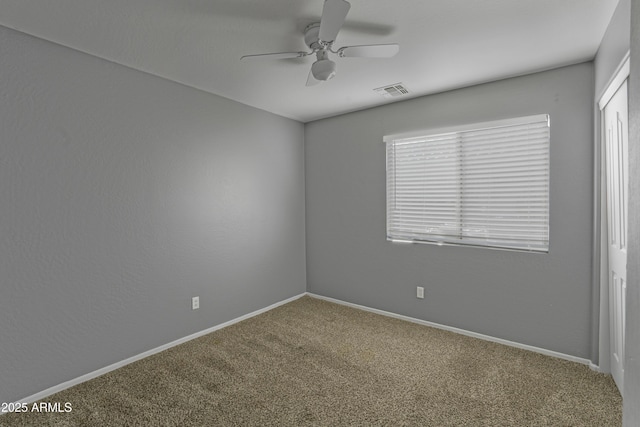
column 311, row 34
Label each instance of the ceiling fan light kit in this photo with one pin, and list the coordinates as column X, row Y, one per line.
column 323, row 69
column 320, row 36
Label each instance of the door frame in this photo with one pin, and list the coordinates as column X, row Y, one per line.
column 601, row 255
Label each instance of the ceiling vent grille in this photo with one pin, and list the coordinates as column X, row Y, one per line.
column 392, row 91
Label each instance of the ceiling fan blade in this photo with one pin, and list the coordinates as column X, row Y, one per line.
column 311, row 81
column 281, row 55
column 369, row 51
column 334, row 13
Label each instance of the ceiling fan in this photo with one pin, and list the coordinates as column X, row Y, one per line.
column 320, row 36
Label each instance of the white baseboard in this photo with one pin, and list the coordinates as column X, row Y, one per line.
column 106, row 369
column 596, row 368
column 55, row 389
column 463, row 332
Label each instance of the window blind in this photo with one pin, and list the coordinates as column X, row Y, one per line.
column 485, row 185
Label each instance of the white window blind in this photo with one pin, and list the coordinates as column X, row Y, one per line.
column 481, row 185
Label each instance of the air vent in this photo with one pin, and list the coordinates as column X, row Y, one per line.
column 392, row 91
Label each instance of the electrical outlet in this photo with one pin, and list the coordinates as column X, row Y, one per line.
column 195, row 303
column 420, row 292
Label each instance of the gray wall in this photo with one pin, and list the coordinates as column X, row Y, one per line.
column 632, row 362
column 614, row 45
column 122, row 196
column 539, row 300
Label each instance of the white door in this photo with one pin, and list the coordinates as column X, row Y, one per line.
column 617, row 179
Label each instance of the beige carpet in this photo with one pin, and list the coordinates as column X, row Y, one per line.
column 311, row 362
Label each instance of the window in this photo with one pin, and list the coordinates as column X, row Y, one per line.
column 481, row 185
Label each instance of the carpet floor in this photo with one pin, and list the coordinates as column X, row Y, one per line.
column 312, row 362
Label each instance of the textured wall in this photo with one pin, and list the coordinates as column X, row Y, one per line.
column 614, row 45
column 539, row 300
column 123, row 195
column 632, row 362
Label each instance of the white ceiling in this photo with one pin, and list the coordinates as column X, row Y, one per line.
column 444, row 44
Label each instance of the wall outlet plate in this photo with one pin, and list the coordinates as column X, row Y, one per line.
column 420, row 292
column 195, row 303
